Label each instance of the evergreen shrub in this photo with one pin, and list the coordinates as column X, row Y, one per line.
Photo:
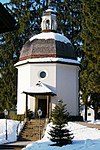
column 59, row 134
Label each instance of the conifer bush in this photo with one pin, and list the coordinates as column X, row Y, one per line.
column 59, row 133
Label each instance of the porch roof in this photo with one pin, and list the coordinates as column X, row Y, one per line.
column 39, row 89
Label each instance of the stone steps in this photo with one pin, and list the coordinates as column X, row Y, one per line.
column 31, row 130
column 11, row 147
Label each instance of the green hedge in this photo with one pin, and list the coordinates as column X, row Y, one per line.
column 13, row 115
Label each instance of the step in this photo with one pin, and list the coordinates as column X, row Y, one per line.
column 11, row 147
column 31, row 130
column 14, row 145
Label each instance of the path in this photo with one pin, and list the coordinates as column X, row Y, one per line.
column 90, row 125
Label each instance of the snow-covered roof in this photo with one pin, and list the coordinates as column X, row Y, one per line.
column 48, row 59
column 39, row 88
column 50, row 10
column 51, row 35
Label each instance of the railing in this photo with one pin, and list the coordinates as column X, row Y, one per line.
column 44, row 129
column 17, row 130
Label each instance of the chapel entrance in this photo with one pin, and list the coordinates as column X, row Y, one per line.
column 42, row 104
column 42, row 99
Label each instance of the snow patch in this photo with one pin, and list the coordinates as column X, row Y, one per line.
column 47, row 59
column 50, row 10
column 50, row 35
column 39, row 88
column 12, row 132
column 84, row 138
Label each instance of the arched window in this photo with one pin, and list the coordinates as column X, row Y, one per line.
column 47, row 24
column 52, row 25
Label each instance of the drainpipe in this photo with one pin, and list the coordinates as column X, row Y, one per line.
column 26, row 109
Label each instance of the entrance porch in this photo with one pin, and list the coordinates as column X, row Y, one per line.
column 42, row 95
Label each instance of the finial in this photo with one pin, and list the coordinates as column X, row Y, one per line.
column 49, row 3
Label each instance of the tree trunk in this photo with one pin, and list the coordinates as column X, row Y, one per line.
column 95, row 114
column 85, row 113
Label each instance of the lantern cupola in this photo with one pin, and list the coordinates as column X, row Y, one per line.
column 49, row 21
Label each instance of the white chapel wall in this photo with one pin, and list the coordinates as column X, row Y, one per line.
column 23, row 83
column 50, row 79
column 67, row 87
column 63, row 79
column 50, row 69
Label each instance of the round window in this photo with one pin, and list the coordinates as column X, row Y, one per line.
column 42, row 74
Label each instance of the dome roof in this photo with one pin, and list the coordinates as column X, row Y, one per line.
column 50, row 35
column 48, row 44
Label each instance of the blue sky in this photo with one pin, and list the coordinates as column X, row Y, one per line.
column 4, row 1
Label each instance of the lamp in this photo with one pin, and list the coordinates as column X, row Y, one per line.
column 39, row 114
column 6, row 114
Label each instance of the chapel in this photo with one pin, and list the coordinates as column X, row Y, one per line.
column 48, row 71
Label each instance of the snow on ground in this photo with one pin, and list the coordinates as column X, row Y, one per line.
column 84, row 138
column 12, row 131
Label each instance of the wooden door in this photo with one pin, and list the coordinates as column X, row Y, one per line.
column 42, row 104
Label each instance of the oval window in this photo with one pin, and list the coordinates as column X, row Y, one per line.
column 42, row 74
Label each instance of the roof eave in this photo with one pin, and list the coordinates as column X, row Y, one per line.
column 35, row 94
column 27, row 61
